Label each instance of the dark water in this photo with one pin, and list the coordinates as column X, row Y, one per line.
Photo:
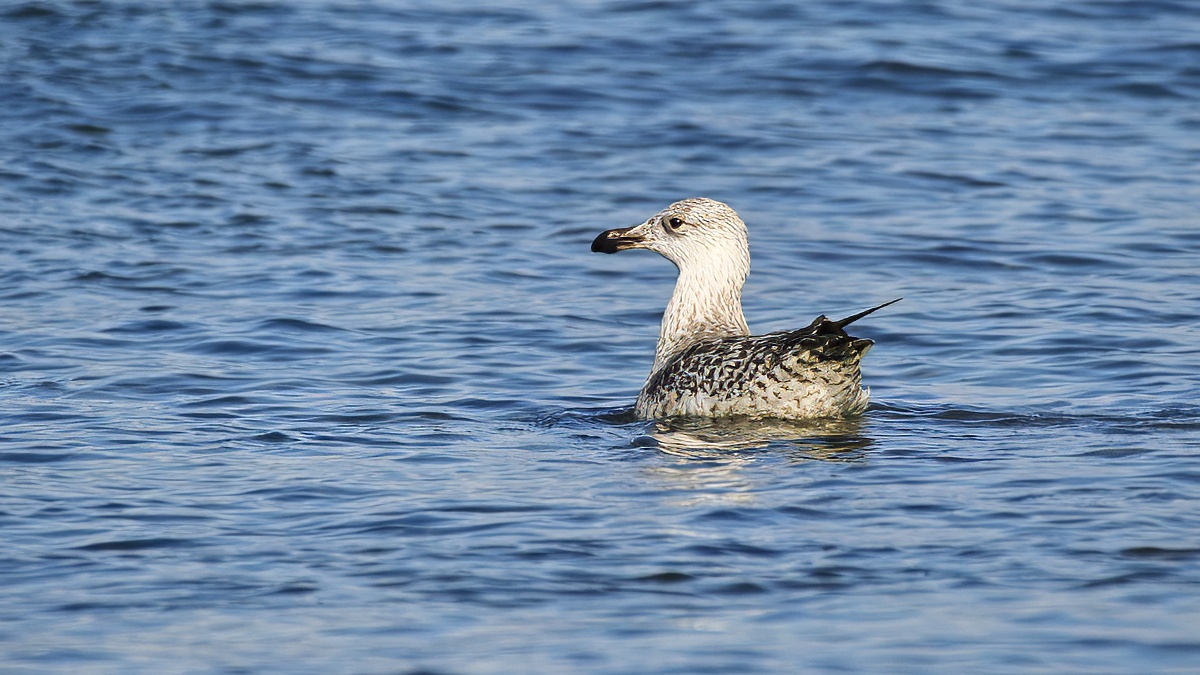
column 306, row 366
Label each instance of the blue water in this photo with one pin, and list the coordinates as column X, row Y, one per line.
column 305, row 365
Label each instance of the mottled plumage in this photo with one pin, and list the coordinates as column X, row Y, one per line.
column 707, row 363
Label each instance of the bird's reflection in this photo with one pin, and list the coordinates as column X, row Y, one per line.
column 719, row 454
column 723, row 439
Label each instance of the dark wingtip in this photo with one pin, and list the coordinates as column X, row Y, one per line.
column 855, row 317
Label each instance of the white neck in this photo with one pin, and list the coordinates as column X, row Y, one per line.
column 707, row 303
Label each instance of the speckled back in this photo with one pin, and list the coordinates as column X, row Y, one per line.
column 810, row 372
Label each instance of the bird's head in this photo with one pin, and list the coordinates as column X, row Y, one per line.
column 693, row 233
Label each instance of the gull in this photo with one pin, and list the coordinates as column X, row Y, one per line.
column 707, row 364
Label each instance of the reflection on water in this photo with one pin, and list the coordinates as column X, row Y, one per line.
column 725, row 439
column 720, row 456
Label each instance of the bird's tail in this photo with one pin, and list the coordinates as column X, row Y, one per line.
column 855, row 317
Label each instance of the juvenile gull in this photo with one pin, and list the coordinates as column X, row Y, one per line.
column 707, row 363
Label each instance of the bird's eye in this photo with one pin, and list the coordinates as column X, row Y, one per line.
column 674, row 223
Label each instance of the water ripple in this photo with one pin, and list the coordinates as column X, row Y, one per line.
column 303, row 347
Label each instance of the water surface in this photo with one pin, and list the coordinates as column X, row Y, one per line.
column 305, row 365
